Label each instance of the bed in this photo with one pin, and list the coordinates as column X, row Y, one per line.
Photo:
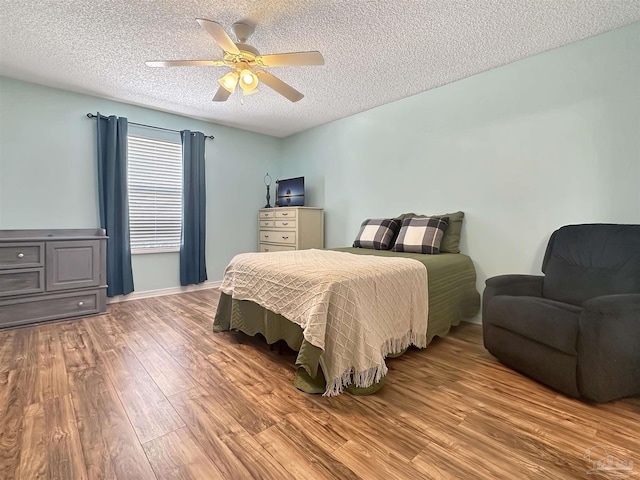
column 452, row 296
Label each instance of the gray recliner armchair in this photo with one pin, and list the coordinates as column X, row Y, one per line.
column 577, row 328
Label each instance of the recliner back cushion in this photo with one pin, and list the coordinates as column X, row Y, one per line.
column 587, row 261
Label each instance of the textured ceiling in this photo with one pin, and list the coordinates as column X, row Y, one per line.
column 375, row 51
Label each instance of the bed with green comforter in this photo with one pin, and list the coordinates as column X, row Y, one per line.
column 452, row 298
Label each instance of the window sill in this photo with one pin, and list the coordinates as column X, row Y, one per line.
column 144, row 251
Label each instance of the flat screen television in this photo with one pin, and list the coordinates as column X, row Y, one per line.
column 290, row 192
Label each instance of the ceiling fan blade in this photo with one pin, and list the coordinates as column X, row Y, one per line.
column 186, row 63
column 279, row 86
column 290, row 59
column 219, row 35
column 221, row 95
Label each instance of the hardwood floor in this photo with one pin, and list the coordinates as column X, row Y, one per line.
column 149, row 392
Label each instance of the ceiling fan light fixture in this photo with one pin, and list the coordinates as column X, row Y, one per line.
column 229, row 81
column 245, row 63
column 248, row 80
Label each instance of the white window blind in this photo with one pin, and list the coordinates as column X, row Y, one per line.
column 155, row 193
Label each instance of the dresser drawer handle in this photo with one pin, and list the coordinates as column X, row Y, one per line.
column 284, row 238
column 284, row 214
column 266, row 236
column 285, row 223
column 266, row 249
column 80, row 304
column 20, row 255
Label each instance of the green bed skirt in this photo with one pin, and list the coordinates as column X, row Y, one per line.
column 251, row 318
column 452, row 297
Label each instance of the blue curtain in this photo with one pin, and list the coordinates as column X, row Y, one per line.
column 114, row 202
column 193, row 266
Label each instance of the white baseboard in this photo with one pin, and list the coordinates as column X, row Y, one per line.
column 164, row 291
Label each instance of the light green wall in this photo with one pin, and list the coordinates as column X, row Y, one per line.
column 48, row 176
column 523, row 149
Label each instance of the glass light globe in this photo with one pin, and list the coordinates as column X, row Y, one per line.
column 229, row 81
column 248, row 80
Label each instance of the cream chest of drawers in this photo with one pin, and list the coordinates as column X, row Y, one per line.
column 290, row 228
column 51, row 274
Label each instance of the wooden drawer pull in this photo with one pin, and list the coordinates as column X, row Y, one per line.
column 285, row 237
column 285, row 223
column 266, row 236
column 284, row 214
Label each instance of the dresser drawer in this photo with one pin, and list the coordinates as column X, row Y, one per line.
column 21, row 255
column 268, row 236
column 50, row 307
column 21, row 281
column 280, row 236
column 267, row 214
column 266, row 247
column 287, row 223
column 267, row 223
column 285, row 213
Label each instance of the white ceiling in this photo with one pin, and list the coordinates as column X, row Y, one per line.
column 375, row 51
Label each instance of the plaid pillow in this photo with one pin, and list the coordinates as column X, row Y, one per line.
column 377, row 233
column 421, row 235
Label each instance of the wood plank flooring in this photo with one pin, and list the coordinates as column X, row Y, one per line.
column 149, row 392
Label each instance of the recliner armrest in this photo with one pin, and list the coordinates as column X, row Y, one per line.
column 516, row 285
column 609, row 347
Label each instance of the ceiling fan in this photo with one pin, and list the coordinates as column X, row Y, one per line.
column 246, row 63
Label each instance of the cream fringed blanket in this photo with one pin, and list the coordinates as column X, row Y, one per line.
column 356, row 308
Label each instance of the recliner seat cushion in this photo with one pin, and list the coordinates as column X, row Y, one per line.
column 545, row 321
column 588, row 261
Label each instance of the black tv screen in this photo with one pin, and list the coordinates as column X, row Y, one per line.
column 290, row 192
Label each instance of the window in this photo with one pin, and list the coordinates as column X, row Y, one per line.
column 155, row 193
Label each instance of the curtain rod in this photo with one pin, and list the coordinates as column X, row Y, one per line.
column 91, row 115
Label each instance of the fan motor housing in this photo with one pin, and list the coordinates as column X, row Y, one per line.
column 242, row 31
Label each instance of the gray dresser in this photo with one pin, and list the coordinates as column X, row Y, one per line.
column 51, row 274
